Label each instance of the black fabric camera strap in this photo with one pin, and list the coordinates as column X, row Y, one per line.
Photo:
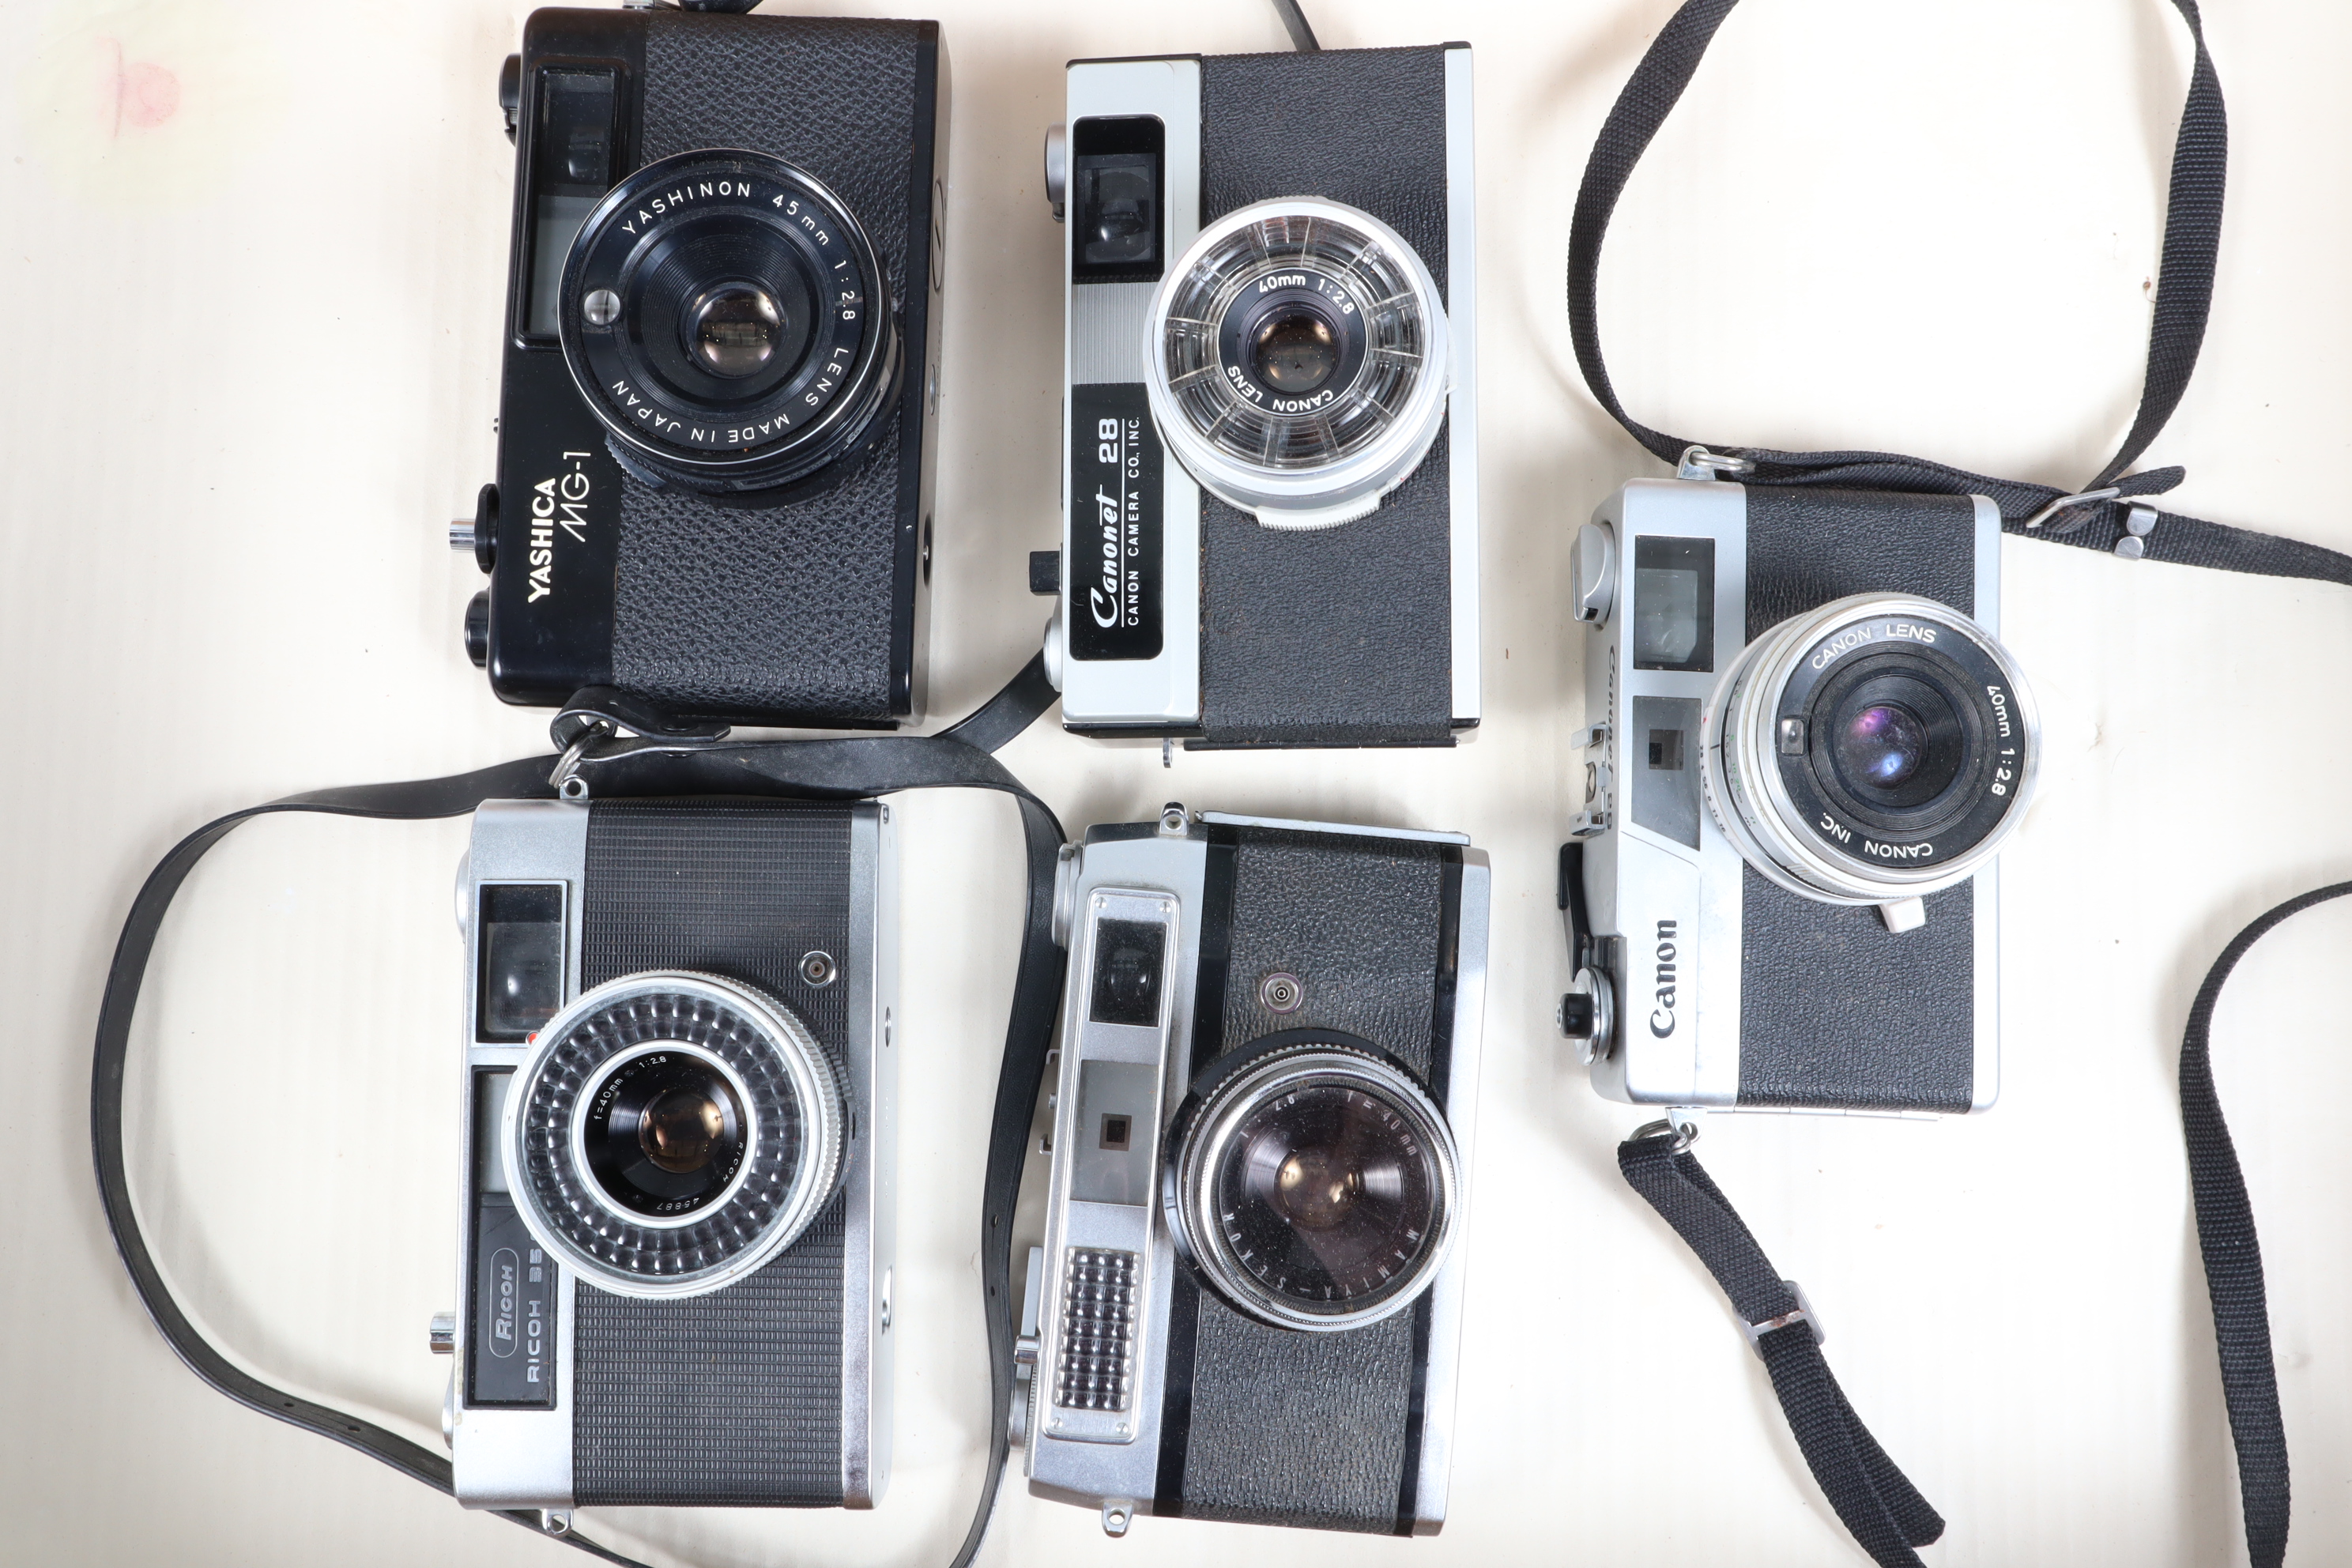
column 2234, row 1256
column 1877, row 1503
column 2192, row 233
column 957, row 758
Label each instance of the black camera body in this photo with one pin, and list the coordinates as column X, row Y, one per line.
column 717, row 423
column 1248, row 1303
column 676, row 1218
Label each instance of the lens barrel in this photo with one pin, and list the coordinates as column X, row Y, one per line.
column 1876, row 748
column 727, row 319
column 1312, row 1183
column 670, row 1132
column 1295, row 361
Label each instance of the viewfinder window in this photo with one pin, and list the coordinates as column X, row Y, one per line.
column 572, row 160
column 1674, row 604
column 1129, row 959
column 521, row 960
column 1114, row 207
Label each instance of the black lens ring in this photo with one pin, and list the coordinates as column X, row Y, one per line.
column 1212, row 1095
column 1961, row 817
column 625, row 1168
column 1316, row 292
column 570, row 1065
column 825, row 409
column 1955, row 767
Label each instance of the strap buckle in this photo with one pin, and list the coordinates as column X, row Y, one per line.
column 598, row 713
column 1802, row 1314
column 1698, row 463
column 2064, row 503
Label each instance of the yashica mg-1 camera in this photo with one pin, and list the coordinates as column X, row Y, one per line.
column 716, row 430
column 1807, row 747
column 677, row 1226
column 1270, row 531
column 1248, row 1303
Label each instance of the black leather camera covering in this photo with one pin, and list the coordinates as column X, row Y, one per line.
column 1339, row 636
column 1835, row 1010
column 732, row 1398
column 1272, row 1425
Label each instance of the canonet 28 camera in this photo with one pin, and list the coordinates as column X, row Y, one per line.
column 715, row 429
column 1270, row 430
column 1248, row 1303
column 679, row 1090
column 1807, row 748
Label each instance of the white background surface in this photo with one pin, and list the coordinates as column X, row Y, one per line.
column 252, row 355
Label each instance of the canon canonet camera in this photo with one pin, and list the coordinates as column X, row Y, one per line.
column 674, row 1274
column 1807, row 747
column 716, row 431
column 1270, row 433
column 1248, row 1303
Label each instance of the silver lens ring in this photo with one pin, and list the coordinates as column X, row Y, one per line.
column 1878, row 748
column 1316, row 1187
column 601, row 1187
column 1296, row 360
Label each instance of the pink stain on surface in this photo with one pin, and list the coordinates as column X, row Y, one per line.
column 137, row 94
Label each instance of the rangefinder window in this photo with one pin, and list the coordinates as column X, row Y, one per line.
column 572, row 168
column 521, row 927
column 1129, row 960
column 1115, row 180
column 1674, row 604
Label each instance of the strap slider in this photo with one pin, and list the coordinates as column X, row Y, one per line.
column 2138, row 523
column 1804, row 1313
column 1698, row 463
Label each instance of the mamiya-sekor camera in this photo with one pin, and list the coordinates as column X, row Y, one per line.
column 1248, row 1303
column 1807, row 746
column 714, row 435
column 1270, row 449
column 673, row 1270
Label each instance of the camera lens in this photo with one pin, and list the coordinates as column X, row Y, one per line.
column 671, row 1132
column 734, row 329
column 727, row 319
column 1296, row 357
column 1875, row 748
column 666, row 1132
column 1294, row 350
column 1881, row 745
column 1315, row 1185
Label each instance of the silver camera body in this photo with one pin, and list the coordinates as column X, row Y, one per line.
column 1248, row 1303
column 678, row 1092
column 1269, row 428
column 1807, row 747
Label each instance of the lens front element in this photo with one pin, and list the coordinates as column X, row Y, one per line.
column 1315, row 1185
column 1296, row 360
column 670, row 1132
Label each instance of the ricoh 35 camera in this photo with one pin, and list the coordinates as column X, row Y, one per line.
column 1248, row 1303
column 1807, row 747
column 718, row 419
column 1270, row 429
column 675, row 1264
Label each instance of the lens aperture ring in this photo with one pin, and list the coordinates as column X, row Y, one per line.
column 771, row 1063
column 1296, row 360
column 729, row 322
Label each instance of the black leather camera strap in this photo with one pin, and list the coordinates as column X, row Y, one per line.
column 2099, row 515
column 957, row 758
column 1883, row 1509
column 2234, row 1256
